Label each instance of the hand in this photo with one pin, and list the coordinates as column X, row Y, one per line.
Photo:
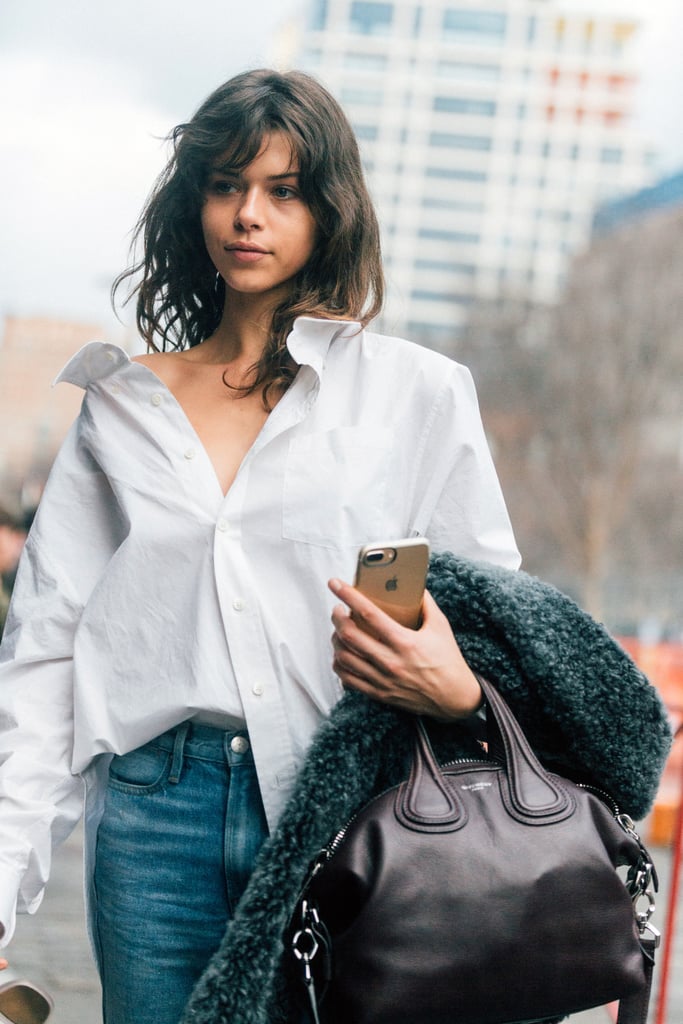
column 419, row 670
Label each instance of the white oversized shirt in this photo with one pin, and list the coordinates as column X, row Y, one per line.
column 145, row 595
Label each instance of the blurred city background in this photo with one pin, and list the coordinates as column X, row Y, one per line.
column 526, row 158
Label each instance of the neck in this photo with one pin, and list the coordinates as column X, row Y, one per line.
column 245, row 329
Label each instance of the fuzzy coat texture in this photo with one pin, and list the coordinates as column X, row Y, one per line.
column 588, row 712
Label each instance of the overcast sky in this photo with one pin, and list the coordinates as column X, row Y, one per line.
column 88, row 89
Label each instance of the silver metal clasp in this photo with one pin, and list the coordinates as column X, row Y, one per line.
column 641, row 884
column 305, row 943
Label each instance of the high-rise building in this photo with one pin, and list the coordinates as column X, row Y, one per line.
column 490, row 130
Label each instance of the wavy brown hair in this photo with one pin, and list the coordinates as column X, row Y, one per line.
column 180, row 297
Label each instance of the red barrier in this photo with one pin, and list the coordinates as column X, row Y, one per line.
column 663, row 665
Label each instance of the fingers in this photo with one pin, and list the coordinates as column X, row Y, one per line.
column 371, row 619
column 358, row 655
column 418, row 670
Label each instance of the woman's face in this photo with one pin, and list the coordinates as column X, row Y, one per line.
column 258, row 229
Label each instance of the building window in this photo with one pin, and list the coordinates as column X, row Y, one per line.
column 463, row 105
column 366, row 61
column 455, row 173
column 449, row 266
column 461, row 300
column 312, row 57
column 366, row 132
column 318, row 15
column 442, row 337
column 613, row 116
column 616, row 83
column 611, row 155
column 363, row 97
column 371, row 19
column 437, row 235
column 465, row 205
column 465, row 69
column 481, row 143
column 474, row 26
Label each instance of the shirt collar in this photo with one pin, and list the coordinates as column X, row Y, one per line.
column 310, row 339
column 308, row 343
column 93, row 362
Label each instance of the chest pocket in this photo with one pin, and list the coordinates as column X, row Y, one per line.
column 335, row 488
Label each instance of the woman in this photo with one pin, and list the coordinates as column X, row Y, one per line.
column 168, row 643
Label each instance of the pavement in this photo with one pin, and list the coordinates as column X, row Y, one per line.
column 51, row 947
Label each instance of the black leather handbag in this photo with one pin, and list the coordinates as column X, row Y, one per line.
column 480, row 892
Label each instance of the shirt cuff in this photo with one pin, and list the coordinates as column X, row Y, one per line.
column 9, row 888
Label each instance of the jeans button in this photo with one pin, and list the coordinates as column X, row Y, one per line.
column 239, row 744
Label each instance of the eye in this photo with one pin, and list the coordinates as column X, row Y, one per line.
column 222, row 186
column 285, row 192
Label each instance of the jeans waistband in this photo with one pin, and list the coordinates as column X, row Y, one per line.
column 204, row 742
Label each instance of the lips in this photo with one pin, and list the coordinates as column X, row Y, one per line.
column 245, row 247
column 246, row 252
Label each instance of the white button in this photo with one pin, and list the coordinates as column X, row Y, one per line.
column 156, row 399
column 190, row 453
column 115, row 389
column 109, row 355
column 239, row 744
column 222, row 525
column 257, row 689
column 239, row 604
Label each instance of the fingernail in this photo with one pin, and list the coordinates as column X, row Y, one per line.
column 334, row 585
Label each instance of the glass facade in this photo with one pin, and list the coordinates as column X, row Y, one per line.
column 474, row 26
column 318, row 15
column 467, row 69
column 480, row 143
column 370, row 18
column 465, row 105
column 439, row 235
column 487, row 128
column 455, row 174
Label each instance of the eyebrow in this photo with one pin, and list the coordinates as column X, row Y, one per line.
column 226, row 169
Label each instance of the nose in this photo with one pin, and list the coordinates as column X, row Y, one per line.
column 250, row 211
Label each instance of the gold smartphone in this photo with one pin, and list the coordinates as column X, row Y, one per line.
column 393, row 575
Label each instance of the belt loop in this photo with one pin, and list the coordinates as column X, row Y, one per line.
column 178, row 747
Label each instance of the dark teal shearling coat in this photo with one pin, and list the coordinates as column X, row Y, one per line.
column 586, row 708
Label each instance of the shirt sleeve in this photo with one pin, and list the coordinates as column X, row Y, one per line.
column 458, row 503
column 76, row 530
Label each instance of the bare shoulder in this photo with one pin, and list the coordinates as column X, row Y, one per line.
column 168, row 366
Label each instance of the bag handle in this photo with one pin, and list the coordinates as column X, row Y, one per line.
column 429, row 801
column 532, row 794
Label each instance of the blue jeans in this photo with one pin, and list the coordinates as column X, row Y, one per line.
column 182, row 825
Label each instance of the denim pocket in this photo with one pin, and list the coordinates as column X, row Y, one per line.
column 140, row 771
